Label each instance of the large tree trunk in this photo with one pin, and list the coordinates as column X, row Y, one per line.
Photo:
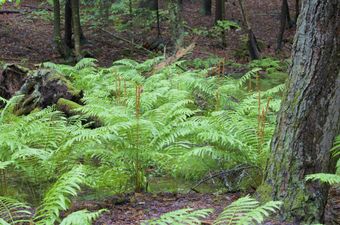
column 309, row 118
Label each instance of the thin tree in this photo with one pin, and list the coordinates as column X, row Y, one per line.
column 76, row 28
column 56, row 28
column 284, row 20
column 309, row 118
column 219, row 10
column 206, row 5
column 253, row 47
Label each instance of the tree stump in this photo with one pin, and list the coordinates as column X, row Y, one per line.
column 40, row 89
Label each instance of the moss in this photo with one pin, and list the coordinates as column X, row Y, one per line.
column 66, row 105
column 63, row 81
column 264, row 192
column 296, row 98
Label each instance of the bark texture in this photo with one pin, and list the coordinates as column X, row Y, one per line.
column 309, row 117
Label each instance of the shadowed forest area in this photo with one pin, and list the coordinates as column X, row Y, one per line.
column 176, row 112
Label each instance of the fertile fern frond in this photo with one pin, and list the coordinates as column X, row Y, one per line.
column 58, row 196
column 83, row 217
column 181, row 217
column 13, row 212
column 245, row 211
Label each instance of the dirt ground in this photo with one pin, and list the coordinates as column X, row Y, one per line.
column 26, row 38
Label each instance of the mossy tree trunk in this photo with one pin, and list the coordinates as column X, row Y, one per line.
column 309, row 117
column 177, row 23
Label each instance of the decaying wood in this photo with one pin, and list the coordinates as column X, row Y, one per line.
column 178, row 55
column 41, row 89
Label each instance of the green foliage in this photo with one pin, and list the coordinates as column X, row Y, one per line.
column 329, row 178
column 182, row 216
column 57, row 197
column 13, row 211
column 243, row 211
column 83, row 217
column 247, row 211
column 175, row 123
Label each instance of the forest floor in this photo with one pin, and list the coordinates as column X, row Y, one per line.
column 137, row 208
column 26, row 37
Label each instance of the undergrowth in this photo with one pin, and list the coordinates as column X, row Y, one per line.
column 134, row 123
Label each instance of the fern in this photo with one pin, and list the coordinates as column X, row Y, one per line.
column 243, row 211
column 13, row 212
column 181, row 217
column 325, row 178
column 83, row 217
column 57, row 198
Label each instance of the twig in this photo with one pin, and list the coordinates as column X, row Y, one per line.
column 217, row 174
column 5, row 11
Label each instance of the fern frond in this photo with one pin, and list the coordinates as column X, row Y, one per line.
column 58, row 197
column 181, row 217
column 83, row 217
column 13, row 211
column 245, row 210
column 325, row 178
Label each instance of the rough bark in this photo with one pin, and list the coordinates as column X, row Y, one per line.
column 309, row 118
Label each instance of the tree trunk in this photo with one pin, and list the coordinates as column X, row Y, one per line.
column 207, row 7
column 290, row 22
column 56, row 28
column 76, row 27
column 309, row 118
column 283, row 22
column 254, row 51
column 177, row 24
column 219, row 10
column 68, row 27
column 297, row 10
